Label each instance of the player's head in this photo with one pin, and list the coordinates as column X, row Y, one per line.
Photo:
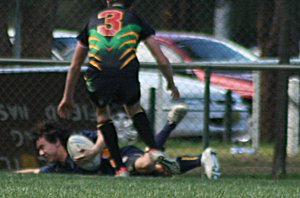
column 50, row 139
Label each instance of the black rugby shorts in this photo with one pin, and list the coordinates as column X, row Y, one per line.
column 112, row 90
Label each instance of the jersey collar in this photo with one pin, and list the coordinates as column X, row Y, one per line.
column 118, row 5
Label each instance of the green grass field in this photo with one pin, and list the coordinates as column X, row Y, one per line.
column 242, row 176
column 55, row 185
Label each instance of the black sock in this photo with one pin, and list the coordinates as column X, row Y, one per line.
column 187, row 163
column 111, row 140
column 142, row 125
column 162, row 136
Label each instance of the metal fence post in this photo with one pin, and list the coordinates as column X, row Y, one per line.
column 255, row 119
column 206, row 109
column 228, row 117
column 159, row 123
column 152, row 101
column 293, row 118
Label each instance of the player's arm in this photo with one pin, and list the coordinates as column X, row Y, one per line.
column 33, row 170
column 164, row 65
column 92, row 152
column 99, row 144
column 66, row 103
column 74, row 71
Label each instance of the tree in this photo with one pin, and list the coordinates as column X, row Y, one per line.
column 6, row 46
column 276, row 37
column 38, row 22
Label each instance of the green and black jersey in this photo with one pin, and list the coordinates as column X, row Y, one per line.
column 112, row 36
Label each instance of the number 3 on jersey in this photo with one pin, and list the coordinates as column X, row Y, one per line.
column 112, row 22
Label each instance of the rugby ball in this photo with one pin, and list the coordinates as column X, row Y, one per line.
column 76, row 143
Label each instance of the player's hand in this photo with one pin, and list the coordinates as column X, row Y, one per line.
column 174, row 92
column 64, row 108
column 86, row 155
column 34, row 170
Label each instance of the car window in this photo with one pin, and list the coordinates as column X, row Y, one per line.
column 207, row 50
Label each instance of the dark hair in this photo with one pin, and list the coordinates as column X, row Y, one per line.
column 51, row 131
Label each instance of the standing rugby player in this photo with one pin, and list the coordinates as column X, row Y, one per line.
column 110, row 38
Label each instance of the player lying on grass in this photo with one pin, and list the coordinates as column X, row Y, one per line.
column 51, row 143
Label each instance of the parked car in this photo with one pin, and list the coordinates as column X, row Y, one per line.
column 203, row 48
column 184, row 48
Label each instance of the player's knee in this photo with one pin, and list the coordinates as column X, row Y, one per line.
column 103, row 115
column 103, row 122
column 132, row 110
column 145, row 164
